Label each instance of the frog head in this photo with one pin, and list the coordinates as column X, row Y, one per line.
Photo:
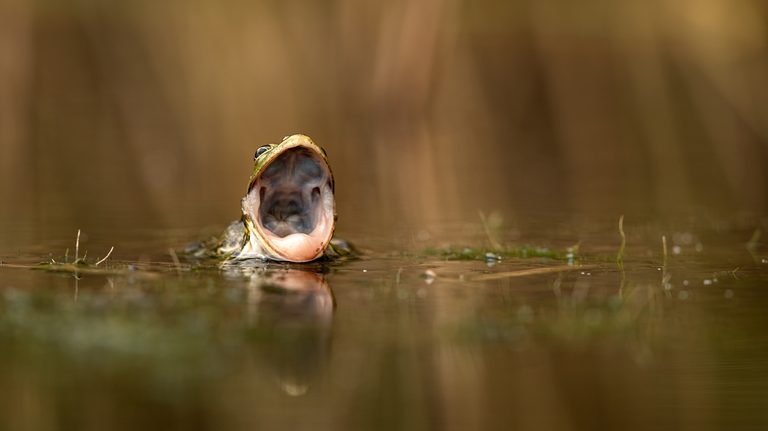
column 289, row 211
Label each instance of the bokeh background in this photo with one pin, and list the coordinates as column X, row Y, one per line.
column 136, row 121
column 147, row 113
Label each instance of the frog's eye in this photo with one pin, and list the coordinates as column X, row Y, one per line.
column 261, row 150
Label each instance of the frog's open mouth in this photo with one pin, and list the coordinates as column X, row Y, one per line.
column 291, row 204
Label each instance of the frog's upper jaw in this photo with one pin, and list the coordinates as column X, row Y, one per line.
column 289, row 211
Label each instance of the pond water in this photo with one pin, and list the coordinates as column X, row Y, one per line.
column 423, row 330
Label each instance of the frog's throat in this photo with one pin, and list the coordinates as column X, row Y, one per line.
column 289, row 211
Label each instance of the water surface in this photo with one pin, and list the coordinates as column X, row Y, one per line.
column 405, row 337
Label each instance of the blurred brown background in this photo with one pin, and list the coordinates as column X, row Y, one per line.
column 147, row 113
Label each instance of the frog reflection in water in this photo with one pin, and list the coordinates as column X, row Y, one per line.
column 289, row 210
column 292, row 309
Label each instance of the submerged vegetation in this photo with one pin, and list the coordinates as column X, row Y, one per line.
column 569, row 254
column 497, row 250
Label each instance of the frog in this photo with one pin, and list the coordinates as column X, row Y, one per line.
column 288, row 213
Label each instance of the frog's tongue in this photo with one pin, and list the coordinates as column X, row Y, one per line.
column 292, row 205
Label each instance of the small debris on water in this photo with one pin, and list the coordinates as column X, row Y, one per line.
column 570, row 254
column 365, row 270
column 764, row 260
column 492, row 257
column 429, row 276
column 676, row 249
column 685, row 282
column 699, row 247
column 707, row 282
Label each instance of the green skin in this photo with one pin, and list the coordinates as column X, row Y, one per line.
column 242, row 240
